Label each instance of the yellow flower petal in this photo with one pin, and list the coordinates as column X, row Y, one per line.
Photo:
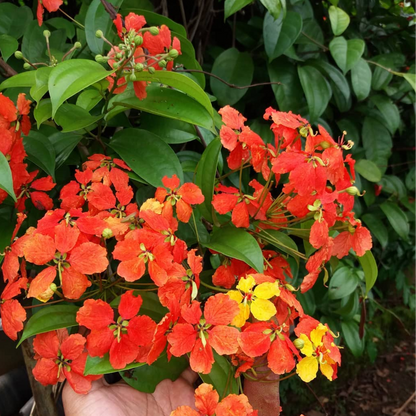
column 266, row 290
column 246, row 284
column 307, row 347
column 327, row 371
column 262, row 309
column 242, row 317
column 317, row 334
column 235, row 295
column 307, row 368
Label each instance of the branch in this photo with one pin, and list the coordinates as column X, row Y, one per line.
column 8, row 70
column 110, row 9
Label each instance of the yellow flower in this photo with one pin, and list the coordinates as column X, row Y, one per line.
column 316, row 356
column 257, row 300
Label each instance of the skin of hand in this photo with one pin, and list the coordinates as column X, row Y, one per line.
column 120, row 399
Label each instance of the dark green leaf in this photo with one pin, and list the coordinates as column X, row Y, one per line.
column 6, row 181
column 34, row 43
column 361, row 79
column 389, row 111
column 70, row 77
column 8, row 46
column 397, row 219
column 50, row 318
column 339, row 20
column 145, row 378
column 352, row 339
column 281, row 241
column 349, row 306
column 14, row 20
column 61, row 23
column 343, row 282
column 377, row 228
column 72, row 117
column 317, row 90
column 346, row 53
column 368, row 170
column 64, row 144
column 40, row 151
column 88, row 99
column 233, row 6
column 152, row 165
column 381, row 77
column 279, row 35
column 394, row 185
column 97, row 365
column 205, row 176
column 370, row 269
column 238, row 244
column 235, row 68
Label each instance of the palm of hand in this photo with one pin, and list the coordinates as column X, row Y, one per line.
column 122, row 400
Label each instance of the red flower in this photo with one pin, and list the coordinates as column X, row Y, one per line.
column 131, row 22
column 359, row 239
column 49, row 5
column 35, row 189
column 198, row 336
column 121, row 338
column 60, row 356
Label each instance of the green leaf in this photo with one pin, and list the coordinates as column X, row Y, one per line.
column 6, row 180
column 14, row 20
column 281, row 241
column 274, row 7
column 97, row 365
column 361, row 79
column 145, row 378
column 389, row 111
column 40, row 151
column 289, row 94
column 221, row 377
column 394, row 185
column 72, row 117
column 181, row 83
column 165, row 102
column 397, row 219
column 61, row 23
column 88, row 99
column 368, row 170
column 381, row 77
column 43, row 111
column 377, row 228
column 70, row 77
column 346, row 53
column 343, row 282
column 352, row 338
column 64, row 144
column 238, row 244
column 97, row 18
column 235, row 68
column 377, row 142
column 34, row 43
column 22, row 80
column 370, row 269
column 317, row 90
column 205, row 176
column 8, row 46
column 233, row 6
column 50, row 318
column 41, row 83
column 279, row 35
column 339, row 20
column 152, row 165
column 349, row 306
column 411, row 79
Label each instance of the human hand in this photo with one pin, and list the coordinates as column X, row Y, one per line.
column 120, row 399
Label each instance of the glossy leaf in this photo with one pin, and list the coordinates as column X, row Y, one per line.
column 97, row 18
column 6, row 181
column 352, row 338
column 411, row 79
column 317, row 90
column 397, row 219
column 168, row 103
column 389, row 110
column 43, row 111
column 61, row 23
column 14, row 20
column 279, row 35
column 275, row 7
column 41, row 83
column 153, row 164
column 346, row 53
column 233, row 6
column 88, row 99
column 368, row 170
column 146, row 377
column 377, row 228
column 361, row 79
column 70, row 77
column 281, row 241
column 205, row 176
column 381, row 77
column 72, row 117
column 8, row 46
column 370, row 269
column 339, row 20
column 40, row 151
column 22, row 80
column 238, row 244
column 343, row 282
column 50, row 318
column 235, row 68
column 97, row 365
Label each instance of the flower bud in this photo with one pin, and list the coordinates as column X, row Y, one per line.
column 99, row 58
column 173, row 53
column 18, row 55
column 162, row 63
column 138, row 40
column 353, row 190
column 154, row 30
column 139, row 67
column 77, row 45
column 99, row 34
column 133, row 77
column 107, row 233
column 26, row 66
column 46, row 33
column 299, row 343
column 151, row 70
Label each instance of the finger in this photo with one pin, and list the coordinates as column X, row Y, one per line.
column 189, row 376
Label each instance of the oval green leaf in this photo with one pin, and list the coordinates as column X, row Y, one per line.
column 8, row 46
column 72, row 117
column 377, row 228
column 361, row 79
column 343, row 282
column 369, row 265
column 22, row 80
column 397, row 219
column 352, row 338
column 346, row 53
column 97, row 365
column 6, row 180
column 368, row 170
column 339, row 20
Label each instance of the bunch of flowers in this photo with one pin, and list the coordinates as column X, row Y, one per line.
column 98, row 244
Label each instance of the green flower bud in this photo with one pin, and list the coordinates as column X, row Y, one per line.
column 119, row 55
column 138, row 40
column 133, row 77
column 151, row 70
column 116, row 65
column 299, row 343
column 353, row 190
column 99, row 58
column 173, row 53
column 154, row 30
column 53, row 287
column 26, row 66
column 77, row 45
column 139, row 67
column 18, row 55
column 107, row 233
column 99, row 34
column 162, row 63
column 46, row 33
